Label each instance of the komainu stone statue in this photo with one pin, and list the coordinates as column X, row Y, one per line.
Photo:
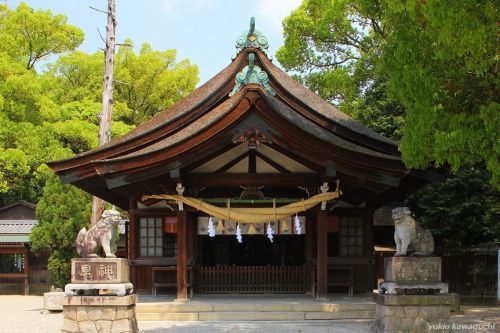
column 408, row 234
column 88, row 242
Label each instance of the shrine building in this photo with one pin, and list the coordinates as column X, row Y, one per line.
column 251, row 184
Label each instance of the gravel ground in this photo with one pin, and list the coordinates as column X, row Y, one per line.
column 23, row 314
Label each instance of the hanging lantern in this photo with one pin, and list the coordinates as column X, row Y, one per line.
column 251, row 229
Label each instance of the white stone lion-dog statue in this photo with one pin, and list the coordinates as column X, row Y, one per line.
column 101, row 234
column 409, row 235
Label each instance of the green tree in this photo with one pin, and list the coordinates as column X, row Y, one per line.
column 150, row 81
column 333, row 47
column 462, row 210
column 62, row 211
column 442, row 62
column 29, row 36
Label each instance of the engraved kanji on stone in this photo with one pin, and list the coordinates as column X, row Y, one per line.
column 105, row 272
column 85, row 272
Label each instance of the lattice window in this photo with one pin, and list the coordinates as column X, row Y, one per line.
column 11, row 263
column 170, row 246
column 351, row 236
column 151, row 235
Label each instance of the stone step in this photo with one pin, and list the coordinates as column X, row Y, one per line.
column 254, row 315
column 192, row 307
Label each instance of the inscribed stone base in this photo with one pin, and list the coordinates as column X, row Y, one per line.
column 99, row 270
column 411, row 313
column 105, row 314
column 412, row 269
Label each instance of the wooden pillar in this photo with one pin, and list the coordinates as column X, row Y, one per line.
column 322, row 255
column 309, row 249
column 368, row 249
column 181, row 256
column 131, row 244
column 26, row 270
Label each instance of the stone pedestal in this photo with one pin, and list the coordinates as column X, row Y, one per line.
column 411, row 313
column 111, row 274
column 104, row 314
column 413, row 275
column 91, row 312
column 412, row 297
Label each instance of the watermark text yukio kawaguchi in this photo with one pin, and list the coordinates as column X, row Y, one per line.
column 462, row 326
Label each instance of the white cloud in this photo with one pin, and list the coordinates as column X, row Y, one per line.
column 274, row 11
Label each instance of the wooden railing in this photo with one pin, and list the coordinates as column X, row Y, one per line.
column 251, row 279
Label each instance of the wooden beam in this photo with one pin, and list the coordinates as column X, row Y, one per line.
column 322, row 254
column 181, row 256
column 256, row 179
column 252, row 161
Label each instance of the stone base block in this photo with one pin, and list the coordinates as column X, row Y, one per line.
column 99, row 270
column 52, row 301
column 411, row 313
column 412, row 269
column 398, row 288
column 119, row 289
column 105, row 314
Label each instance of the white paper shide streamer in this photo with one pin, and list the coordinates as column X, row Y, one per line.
column 238, row 234
column 298, row 227
column 211, row 228
column 270, row 232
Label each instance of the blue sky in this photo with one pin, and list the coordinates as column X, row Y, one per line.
column 202, row 30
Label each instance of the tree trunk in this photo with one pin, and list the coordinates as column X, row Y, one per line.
column 107, row 98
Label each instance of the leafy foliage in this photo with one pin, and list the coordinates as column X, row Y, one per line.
column 62, row 211
column 29, row 36
column 333, row 47
column 462, row 210
column 442, row 62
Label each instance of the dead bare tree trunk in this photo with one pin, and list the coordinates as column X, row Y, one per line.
column 107, row 98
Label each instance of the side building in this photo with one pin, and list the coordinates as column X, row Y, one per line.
column 21, row 272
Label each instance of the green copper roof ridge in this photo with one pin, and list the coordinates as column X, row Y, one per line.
column 252, row 38
column 252, row 74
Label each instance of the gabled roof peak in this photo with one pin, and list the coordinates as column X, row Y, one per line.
column 252, row 38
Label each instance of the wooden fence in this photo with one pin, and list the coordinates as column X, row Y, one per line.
column 251, row 279
column 470, row 272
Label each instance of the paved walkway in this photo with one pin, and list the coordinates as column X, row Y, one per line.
column 22, row 314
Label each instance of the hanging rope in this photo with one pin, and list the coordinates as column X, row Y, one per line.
column 250, row 215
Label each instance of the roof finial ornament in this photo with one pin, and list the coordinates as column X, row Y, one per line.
column 252, row 74
column 252, row 38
